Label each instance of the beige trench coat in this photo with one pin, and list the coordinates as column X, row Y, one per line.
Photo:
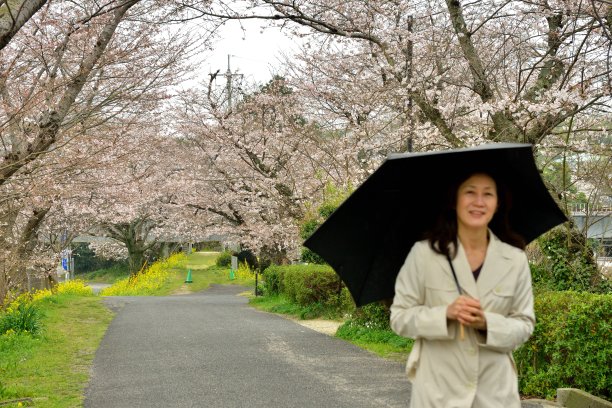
column 479, row 371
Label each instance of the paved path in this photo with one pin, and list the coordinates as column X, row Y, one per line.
column 97, row 287
column 213, row 350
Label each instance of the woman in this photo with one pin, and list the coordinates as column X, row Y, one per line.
column 466, row 327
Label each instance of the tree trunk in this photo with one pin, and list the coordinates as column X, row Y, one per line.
column 134, row 236
column 136, row 261
column 49, row 124
column 4, row 284
column 13, row 15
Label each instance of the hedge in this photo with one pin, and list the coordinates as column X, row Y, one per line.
column 306, row 284
column 571, row 346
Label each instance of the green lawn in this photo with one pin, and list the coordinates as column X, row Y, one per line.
column 52, row 370
column 204, row 273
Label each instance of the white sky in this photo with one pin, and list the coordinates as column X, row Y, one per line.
column 254, row 52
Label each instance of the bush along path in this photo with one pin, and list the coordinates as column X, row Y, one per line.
column 48, row 338
column 571, row 346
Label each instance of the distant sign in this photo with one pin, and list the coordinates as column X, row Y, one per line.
column 65, row 263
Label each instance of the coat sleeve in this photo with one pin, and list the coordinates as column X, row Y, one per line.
column 410, row 317
column 506, row 333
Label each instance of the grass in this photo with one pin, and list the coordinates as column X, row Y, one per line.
column 109, row 275
column 204, row 273
column 51, row 370
column 382, row 342
column 277, row 304
column 168, row 277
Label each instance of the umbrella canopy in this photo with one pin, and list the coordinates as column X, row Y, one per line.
column 368, row 237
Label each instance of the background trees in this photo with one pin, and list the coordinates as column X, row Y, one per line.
column 78, row 81
column 96, row 136
column 419, row 75
column 257, row 164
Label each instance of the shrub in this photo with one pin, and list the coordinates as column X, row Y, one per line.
column 149, row 281
column 273, row 277
column 22, row 316
column 373, row 316
column 224, row 260
column 74, row 287
column 313, row 286
column 568, row 264
column 570, row 346
column 306, row 284
column 244, row 271
column 248, row 257
column 370, row 323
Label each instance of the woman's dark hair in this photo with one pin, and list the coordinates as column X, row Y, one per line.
column 442, row 236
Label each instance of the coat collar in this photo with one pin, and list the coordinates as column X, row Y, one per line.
column 496, row 264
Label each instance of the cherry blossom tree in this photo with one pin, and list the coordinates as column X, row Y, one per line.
column 457, row 73
column 13, row 15
column 429, row 74
column 258, row 163
column 76, row 82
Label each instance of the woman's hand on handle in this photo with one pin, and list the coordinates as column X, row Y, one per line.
column 468, row 312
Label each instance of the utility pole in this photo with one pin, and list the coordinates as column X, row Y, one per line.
column 229, row 77
column 409, row 73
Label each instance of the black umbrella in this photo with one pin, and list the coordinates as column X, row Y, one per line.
column 367, row 239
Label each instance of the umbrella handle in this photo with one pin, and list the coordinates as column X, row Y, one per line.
column 461, row 329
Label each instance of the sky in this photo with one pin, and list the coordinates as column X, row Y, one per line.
column 254, row 53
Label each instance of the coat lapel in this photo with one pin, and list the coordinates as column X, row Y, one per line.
column 496, row 266
column 464, row 273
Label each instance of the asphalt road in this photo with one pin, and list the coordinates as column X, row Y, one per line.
column 212, row 350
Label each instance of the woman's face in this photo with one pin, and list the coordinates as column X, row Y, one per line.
column 476, row 202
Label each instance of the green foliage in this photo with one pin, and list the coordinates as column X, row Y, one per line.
column 332, row 198
column 373, row 316
column 85, row 260
column 150, row 281
column 369, row 326
column 107, row 275
column 276, row 304
column 209, row 246
column 15, row 348
column 309, row 256
column 224, row 260
column 571, row 346
column 53, row 369
column 21, row 317
column 317, row 289
column 351, row 330
column 568, row 264
column 274, row 276
column 306, row 230
column 307, row 284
